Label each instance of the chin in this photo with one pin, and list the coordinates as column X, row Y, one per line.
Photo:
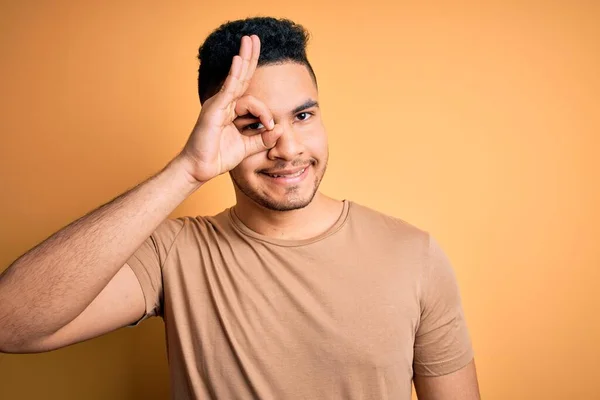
column 284, row 204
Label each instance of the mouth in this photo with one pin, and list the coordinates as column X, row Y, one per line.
column 287, row 176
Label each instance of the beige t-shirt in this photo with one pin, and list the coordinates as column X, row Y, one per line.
column 349, row 314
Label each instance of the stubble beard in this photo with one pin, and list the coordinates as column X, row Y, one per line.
column 289, row 202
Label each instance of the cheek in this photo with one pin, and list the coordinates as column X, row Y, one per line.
column 317, row 144
column 248, row 166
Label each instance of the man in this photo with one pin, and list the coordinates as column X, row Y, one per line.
column 289, row 294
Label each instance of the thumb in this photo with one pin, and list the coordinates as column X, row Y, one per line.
column 262, row 141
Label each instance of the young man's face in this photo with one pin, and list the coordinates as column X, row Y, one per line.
column 287, row 176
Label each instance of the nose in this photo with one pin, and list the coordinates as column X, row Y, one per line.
column 288, row 147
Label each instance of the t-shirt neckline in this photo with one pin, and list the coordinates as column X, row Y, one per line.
column 239, row 225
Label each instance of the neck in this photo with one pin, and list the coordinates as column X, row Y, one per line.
column 304, row 223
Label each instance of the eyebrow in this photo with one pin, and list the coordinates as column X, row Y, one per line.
column 307, row 104
column 304, row 106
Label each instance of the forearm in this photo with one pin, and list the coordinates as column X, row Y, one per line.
column 51, row 284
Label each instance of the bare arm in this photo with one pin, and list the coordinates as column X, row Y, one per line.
column 75, row 285
column 119, row 304
column 53, row 283
column 459, row 385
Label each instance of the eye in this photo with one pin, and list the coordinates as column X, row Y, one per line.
column 303, row 116
column 253, row 127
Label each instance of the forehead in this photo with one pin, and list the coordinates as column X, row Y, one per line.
column 282, row 86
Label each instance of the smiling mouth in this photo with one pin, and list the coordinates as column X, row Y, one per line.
column 286, row 175
column 291, row 172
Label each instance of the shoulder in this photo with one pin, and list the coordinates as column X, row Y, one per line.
column 366, row 218
column 194, row 227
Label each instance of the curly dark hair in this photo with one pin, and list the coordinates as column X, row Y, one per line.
column 281, row 40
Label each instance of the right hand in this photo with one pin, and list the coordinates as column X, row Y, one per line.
column 216, row 145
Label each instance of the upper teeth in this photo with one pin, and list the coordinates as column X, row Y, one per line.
column 288, row 175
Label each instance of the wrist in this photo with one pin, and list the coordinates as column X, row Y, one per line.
column 181, row 167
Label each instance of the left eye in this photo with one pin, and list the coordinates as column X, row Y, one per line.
column 304, row 116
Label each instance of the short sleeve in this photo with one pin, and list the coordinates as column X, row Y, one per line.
column 148, row 260
column 442, row 341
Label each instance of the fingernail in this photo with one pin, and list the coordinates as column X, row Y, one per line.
column 271, row 124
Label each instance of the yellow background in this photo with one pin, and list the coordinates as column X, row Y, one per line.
column 476, row 121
